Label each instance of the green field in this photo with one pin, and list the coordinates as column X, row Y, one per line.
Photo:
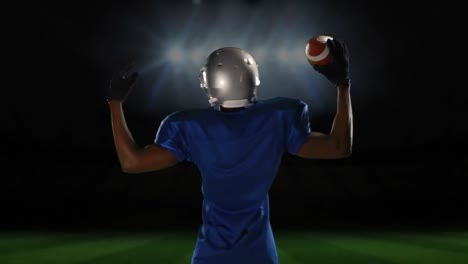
column 293, row 248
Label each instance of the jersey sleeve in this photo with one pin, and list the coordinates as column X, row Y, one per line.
column 170, row 136
column 298, row 127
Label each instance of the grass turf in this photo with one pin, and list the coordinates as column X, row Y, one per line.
column 293, row 248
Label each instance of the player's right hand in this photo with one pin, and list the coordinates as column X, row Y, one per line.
column 122, row 83
column 337, row 71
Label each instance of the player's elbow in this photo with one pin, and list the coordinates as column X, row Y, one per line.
column 342, row 143
column 343, row 149
column 134, row 168
column 129, row 169
column 345, row 153
column 130, row 166
column 126, row 168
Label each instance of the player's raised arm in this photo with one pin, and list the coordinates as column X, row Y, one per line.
column 338, row 143
column 133, row 159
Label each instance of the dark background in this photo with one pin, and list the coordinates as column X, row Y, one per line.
column 59, row 170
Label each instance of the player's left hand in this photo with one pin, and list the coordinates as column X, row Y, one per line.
column 337, row 71
column 122, row 83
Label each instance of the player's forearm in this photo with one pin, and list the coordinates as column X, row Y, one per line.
column 127, row 149
column 342, row 128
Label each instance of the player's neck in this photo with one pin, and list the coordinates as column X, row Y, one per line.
column 234, row 109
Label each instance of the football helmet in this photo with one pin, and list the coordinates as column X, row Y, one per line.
column 230, row 78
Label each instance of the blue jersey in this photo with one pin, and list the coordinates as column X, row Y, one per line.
column 238, row 154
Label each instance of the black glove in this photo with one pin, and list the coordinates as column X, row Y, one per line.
column 122, row 83
column 337, row 71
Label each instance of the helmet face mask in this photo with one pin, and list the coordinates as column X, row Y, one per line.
column 230, row 78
